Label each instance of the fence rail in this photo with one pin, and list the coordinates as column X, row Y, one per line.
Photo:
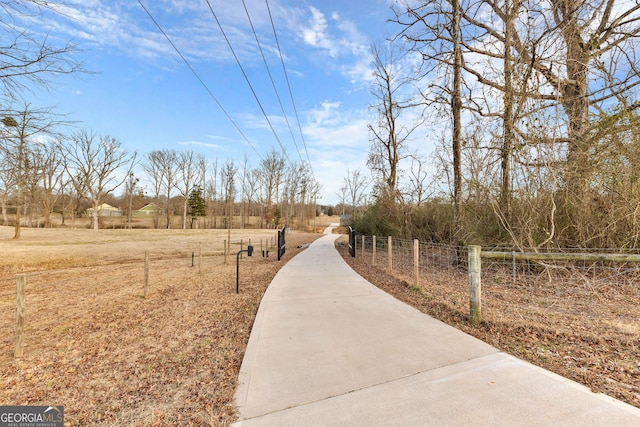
column 567, row 272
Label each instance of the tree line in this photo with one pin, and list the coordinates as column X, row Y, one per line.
column 43, row 172
column 47, row 169
column 533, row 109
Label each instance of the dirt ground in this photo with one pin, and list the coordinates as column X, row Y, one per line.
column 111, row 357
column 586, row 333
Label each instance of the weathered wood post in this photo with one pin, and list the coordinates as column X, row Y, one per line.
column 373, row 256
column 475, row 284
column 146, row 272
column 390, row 251
column 21, row 280
column 362, row 245
column 416, row 262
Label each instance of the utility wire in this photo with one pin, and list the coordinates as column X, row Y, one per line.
column 199, row 79
column 273, row 84
column 248, row 82
column 286, row 75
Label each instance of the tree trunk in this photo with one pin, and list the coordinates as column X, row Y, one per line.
column 507, row 119
column 94, row 217
column 16, row 234
column 5, row 217
column 456, row 107
column 574, row 99
column 184, row 214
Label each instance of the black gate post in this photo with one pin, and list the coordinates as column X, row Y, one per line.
column 352, row 242
column 281, row 243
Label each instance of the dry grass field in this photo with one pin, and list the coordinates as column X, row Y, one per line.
column 111, row 357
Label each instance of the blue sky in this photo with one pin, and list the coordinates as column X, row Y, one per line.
column 142, row 93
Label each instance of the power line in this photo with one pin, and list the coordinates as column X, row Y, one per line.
column 204, row 85
column 273, row 84
column 255, row 95
column 286, row 75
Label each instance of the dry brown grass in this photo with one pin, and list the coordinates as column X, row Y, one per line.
column 94, row 345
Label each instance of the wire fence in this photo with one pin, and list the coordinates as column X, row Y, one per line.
column 599, row 284
column 442, row 262
column 75, row 285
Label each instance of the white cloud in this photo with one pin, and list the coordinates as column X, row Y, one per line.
column 337, row 140
column 216, row 147
column 335, row 36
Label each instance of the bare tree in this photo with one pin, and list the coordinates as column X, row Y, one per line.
column 130, row 188
column 52, row 180
column 20, row 147
column 313, row 189
column 162, row 167
column 153, row 170
column 389, row 135
column 228, row 178
column 271, row 171
column 33, row 181
column 356, row 184
column 297, row 177
column 433, row 29
column 342, row 197
column 188, row 176
column 99, row 163
column 251, row 192
column 212, row 192
column 418, row 185
column 28, row 57
column 7, row 180
column 244, row 187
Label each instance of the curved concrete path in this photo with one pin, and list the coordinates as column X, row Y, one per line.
column 330, row 349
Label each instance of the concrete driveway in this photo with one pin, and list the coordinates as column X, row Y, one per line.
column 330, row 349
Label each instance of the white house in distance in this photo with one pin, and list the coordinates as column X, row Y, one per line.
column 105, row 209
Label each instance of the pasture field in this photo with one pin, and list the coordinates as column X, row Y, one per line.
column 111, row 357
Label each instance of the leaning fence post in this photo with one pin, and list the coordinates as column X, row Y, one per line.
column 390, row 251
column 475, row 284
column 416, row 261
column 20, row 312
column 373, row 256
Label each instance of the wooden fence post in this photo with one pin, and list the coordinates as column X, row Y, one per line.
column 416, row 262
column 146, row 272
column 475, row 285
column 362, row 245
column 373, row 256
column 390, row 251
column 21, row 280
